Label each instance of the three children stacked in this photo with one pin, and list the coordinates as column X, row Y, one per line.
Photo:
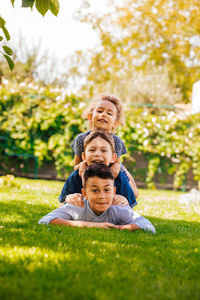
column 100, row 192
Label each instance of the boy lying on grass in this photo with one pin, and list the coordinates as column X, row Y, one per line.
column 98, row 192
column 99, row 148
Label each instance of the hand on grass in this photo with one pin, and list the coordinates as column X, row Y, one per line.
column 120, row 200
column 104, row 225
column 75, row 199
column 131, row 227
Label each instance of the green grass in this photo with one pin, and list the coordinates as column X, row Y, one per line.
column 52, row 262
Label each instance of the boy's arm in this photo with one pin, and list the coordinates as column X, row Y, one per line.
column 81, row 224
column 131, row 227
column 77, row 160
column 81, row 166
column 115, row 168
column 132, row 182
column 130, row 220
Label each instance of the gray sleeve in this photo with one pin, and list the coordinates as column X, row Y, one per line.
column 77, row 144
column 120, row 147
column 66, row 212
column 127, row 216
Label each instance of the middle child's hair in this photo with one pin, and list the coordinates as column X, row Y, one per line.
column 105, row 136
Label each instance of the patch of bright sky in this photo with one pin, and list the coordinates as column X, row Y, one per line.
column 61, row 35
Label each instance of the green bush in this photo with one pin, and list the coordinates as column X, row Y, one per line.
column 170, row 142
column 44, row 121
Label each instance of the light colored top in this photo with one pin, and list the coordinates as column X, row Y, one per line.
column 116, row 215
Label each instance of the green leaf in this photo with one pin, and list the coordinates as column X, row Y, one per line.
column 1, row 38
column 54, row 7
column 42, row 6
column 27, row 3
column 7, row 50
column 10, row 62
column 2, row 21
column 12, row 2
column 5, row 31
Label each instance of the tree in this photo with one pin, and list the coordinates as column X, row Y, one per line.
column 141, row 35
column 42, row 7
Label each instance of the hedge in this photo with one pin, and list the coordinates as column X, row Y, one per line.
column 44, row 121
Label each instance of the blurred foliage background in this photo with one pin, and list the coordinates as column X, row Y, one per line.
column 43, row 121
column 149, row 52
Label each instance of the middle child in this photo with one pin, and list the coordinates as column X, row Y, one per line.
column 98, row 148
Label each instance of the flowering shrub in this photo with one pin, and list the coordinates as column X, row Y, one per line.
column 170, row 141
column 8, row 181
column 40, row 121
column 44, row 121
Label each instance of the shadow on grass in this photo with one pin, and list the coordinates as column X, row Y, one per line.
column 42, row 261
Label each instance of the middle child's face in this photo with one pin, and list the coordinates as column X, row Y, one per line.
column 99, row 151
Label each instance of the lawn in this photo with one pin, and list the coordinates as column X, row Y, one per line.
column 52, row 262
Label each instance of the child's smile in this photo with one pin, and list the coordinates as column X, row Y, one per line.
column 100, row 193
column 99, row 151
column 104, row 116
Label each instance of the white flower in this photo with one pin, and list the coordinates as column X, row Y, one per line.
column 166, row 127
column 145, row 142
column 190, row 134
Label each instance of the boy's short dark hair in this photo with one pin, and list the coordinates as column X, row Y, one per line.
column 106, row 136
column 97, row 170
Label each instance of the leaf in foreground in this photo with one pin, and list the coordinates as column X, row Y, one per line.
column 10, row 62
column 8, row 50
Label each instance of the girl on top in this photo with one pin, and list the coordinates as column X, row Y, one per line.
column 104, row 114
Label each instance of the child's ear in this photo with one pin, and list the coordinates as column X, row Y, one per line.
column 83, row 155
column 84, row 193
column 114, row 158
column 116, row 124
column 89, row 116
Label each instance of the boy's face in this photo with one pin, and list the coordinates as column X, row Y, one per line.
column 104, row 116
column 100, row 193
column 99, row 151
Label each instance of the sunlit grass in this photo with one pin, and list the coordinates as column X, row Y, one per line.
column 41, row 262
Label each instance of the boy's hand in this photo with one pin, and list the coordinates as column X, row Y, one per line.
column 115, row 168
column 104, row 225
column 75, row 199
column 120, row 200
column 131, row 227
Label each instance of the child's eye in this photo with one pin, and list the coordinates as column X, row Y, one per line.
column 94, row 191
column 104, row 150
column 99, row 110
column 107, row 190
column 110, row 114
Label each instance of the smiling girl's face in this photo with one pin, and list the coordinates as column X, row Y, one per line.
column 104, row 116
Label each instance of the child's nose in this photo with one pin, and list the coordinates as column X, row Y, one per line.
column 101, row 195
column 97, row 152
column 103, row 113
